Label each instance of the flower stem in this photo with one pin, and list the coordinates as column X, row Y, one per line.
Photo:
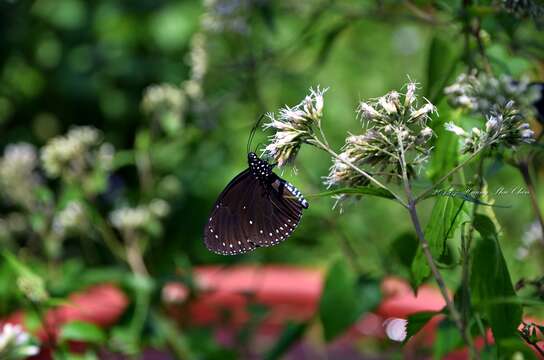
column 454, row 313
column 424, row 194
column 316, row 142
column 134, row 254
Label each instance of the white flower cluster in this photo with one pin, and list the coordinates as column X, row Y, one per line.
column 293, row 126
column 532, row 235
column 17, row 173
column 33, row 287
column 164, row 98
column 481, row 93
column 504, row 127
column 526, row 9
column 393, row 123
column 75, row 153
column 226, row 16
column 15, row 343
column 136, row 218
column 71, row 219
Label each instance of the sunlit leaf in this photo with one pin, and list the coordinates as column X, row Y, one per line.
column 417, row 321
column 447, row 339
column 344, row 299
column 445, row 155
column 445, row 218
column 441, row 65
column 291, row 333
column 82, row 331
column 490, row 282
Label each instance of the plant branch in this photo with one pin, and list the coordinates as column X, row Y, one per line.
column 424, row 194
column 316, row 142
column 454, row 313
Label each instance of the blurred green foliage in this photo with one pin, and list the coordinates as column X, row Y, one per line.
column 172, row 88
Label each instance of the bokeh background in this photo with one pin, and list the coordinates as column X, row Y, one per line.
column 173, row 88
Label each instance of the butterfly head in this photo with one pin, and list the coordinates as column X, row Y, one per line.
column 261, row 169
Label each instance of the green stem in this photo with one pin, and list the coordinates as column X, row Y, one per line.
column 424, row 194
column 454, row 313
column 316, row 142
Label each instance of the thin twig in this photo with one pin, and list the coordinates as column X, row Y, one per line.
column 424, row 194
column 315, row 141
column 454, row 313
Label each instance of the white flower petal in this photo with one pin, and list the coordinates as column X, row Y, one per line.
column 395, row 329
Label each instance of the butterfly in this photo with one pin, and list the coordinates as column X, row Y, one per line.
column 256, row 209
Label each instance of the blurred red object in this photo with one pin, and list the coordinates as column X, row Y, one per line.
column 292, row 294
column 101, row 305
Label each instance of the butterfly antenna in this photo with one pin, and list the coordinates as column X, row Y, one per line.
column 253, row 131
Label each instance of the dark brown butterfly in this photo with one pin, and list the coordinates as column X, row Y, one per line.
column 256, row 209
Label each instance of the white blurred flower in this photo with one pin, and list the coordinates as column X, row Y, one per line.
column 74, row 154
column 395, row 329
column 70, row 219
column 130, row 218
column 482, row 93
column 159, row 208
column 455, row 129
column 226, row 16
column 135, row 218
column 15, row 343
column 532, row 235
column 17, row 173
column 166, row 104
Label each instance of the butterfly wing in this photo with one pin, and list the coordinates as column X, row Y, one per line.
column 249, row 214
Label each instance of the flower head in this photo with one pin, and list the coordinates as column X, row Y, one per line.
column 18, row 173
column 504, row 127
column 293, row 126
column 393, row 124
column 71, row 219
column 482, row 93
column 77, row 154
column 15, row 343
column 165, row 103
column 139, row 217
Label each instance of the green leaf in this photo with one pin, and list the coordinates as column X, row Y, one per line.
column 344, row 299
column 488, row 264
column 445, row 155
column 290, row 335
column 404, row 248
column 447, row 339
column 441, row 65
column 417, row 321
column 464, row 196
column 362, row 190
column 441, row 226
column 82, row 331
